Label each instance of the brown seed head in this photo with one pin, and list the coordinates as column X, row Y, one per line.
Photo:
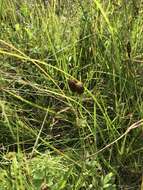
column 72, row 85
column 76, row 86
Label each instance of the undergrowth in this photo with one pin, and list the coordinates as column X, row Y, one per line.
column 51, row 137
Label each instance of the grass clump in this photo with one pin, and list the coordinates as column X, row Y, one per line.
column 51, row 136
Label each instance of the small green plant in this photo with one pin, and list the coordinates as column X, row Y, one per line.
column 108, row 182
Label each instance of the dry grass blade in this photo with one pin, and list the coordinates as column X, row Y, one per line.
column 133, row 126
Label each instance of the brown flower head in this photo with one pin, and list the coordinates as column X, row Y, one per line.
column 76, row 86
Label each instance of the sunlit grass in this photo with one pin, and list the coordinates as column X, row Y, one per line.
column 50, row 136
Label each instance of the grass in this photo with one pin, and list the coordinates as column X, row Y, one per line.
column 51, row 137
